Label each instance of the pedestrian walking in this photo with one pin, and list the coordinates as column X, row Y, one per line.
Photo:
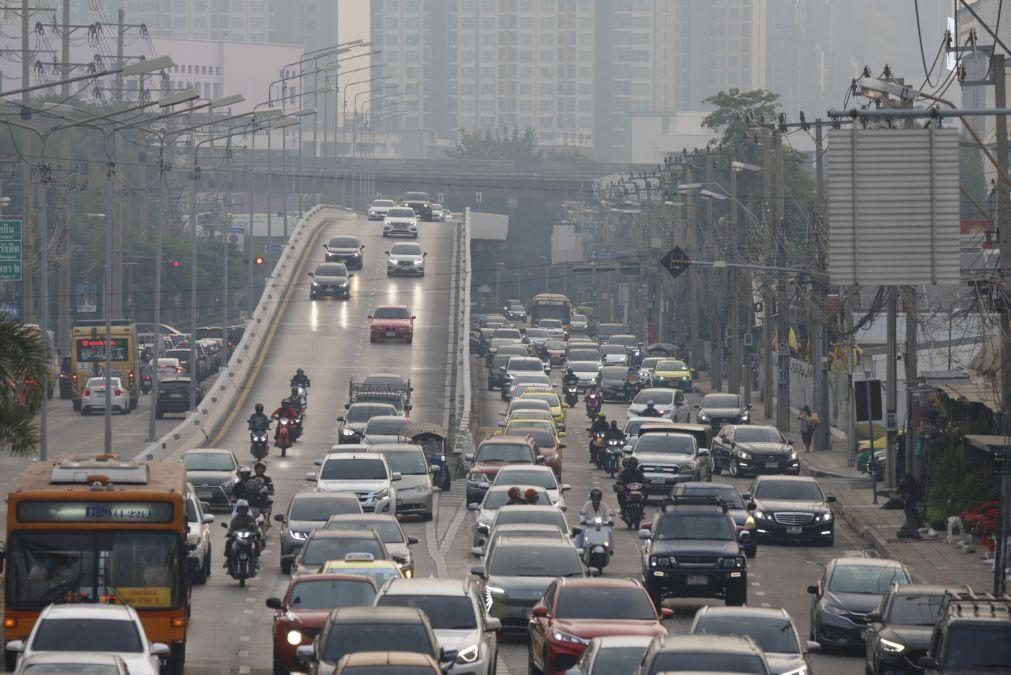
column 808, row 423
column 911, row 494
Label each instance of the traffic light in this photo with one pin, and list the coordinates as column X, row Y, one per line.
column 176, row 264
column 259, row 260
column 172, row 263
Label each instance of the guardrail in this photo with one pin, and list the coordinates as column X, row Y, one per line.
column 464, row 439
column 233, row 380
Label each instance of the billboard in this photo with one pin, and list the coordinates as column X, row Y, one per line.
column 893, row 208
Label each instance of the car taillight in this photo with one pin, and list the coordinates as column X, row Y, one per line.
column 87, row 392
column 75, row 379
column 178, row 369
column 131, row 378
column 118, row 392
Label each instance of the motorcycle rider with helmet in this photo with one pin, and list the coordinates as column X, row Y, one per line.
column 650, row 410
column 569, row 378
column 240, row 491
column 515, row 497
column 300, row 379
column 631, row 473
column 258, row 421
column 260, row 471
column 592, row 509
column 286, row 410
column 613, row 433
column 599, row 425
column 242, row 520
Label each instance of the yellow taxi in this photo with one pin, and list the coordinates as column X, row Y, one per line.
column 673, row 374
column 554, row 404
column 367, row 565
column 530, row 416
column 547, row 425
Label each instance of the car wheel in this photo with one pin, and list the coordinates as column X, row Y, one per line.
column 736, row 595
column 200, row 576
column 735, row 470
column 279, row 669
column 285, row 567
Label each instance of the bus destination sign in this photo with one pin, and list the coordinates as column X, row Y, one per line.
column 94, row 512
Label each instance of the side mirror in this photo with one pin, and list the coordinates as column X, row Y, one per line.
column 748, row 406
column 350, row 275
column 369, row 316
column 159, row 649
column 561, row 446
column 279, row 517
column 288, row 559
column 413, row 317
column 493, row 623
column 434, row 468
column 386, row 252
column 873, row 617
column 564, row 487
column 703, row 452
column 311, row 477
column 540, row 611
column 310, row 274
column 305, row 653
column 16, row 646
column 478, row 571
column 396, row 476
column 745, row 495
column 274, row 603
column 411, row 541
column 697, row 406
column 424, row 254
column 361, row 247
column 751, row 506
column 317, row 462
column 644, row 534
column 341, row 418
column 576, row 531
column 224, row 525
column 206, row 506
column 399, row 558
column 593, row 571
column 789, row 441
column 813, row 590
column 812, row 646
column 666, row 613
column 208, row 518
column 473, row 506
column 468, row 457
column 830, row 499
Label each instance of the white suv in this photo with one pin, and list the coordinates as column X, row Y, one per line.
column 368, row 476
column 379, row 208
column 400, row 221
column 198, row 535
column 105, row 629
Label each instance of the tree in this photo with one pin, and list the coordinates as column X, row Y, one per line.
column 24, row 372
column 735, row 111
column 477, row 144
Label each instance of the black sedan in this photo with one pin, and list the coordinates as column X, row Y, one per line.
column 788, row 508
column 330, row 280
column 719, row 409
column 612, row 383
column 849, row 590
column 898, row 631
column 346, row 249
column 742, row 449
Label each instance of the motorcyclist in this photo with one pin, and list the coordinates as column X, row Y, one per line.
column 592, row 509
column 631, row 384
column 570, row 378
column 260, row 471
column 599, row 425
column 650, row 410
column 515, row 497
column 300, row 379
column 286, row 410
column 635, row 359
column 631, row 473
column 258, row 421
column 296, row 399
column 240, row 491
column 241, row 520
column 543, row 353
column 614, row 433
column 531, row 496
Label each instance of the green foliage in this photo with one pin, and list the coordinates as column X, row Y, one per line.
column 24, row 373
column 953, row 488
column 502, row 144
column 734, row 111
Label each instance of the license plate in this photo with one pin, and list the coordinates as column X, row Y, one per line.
column 206, row 494
column 177, row 395
column 697, row 580
column 391, row 333
column 794, row 530
column 772, row 465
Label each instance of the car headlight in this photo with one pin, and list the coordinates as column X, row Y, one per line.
column 832, row 609
column 889, row 647
column 468, row 654
column 382, row 493
column 294, row 638
column 749, row 522
column 823, row 518
column 559, row 636
column 347, row 432
column 742, row 454
column 419, row 262
column 662, row 561
column 760, row 515
column 300, row 536
column 802, row 670
column 315, row 284
column 702, row 417
column 734, row 563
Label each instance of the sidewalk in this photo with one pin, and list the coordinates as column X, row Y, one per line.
column 931, row 560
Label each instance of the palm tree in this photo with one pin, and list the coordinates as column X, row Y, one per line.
column 24, row 375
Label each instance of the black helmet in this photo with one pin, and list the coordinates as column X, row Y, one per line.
column 596, row 495
column 614, row 424
column 650, row 403
column 294, row 392
column 244, row 472
column 242, row 506
column 632, row 463
column 259, row 465
column 300, row 372
column 258, row 408
column 568, row 371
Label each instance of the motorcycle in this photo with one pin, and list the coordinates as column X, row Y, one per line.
column 597, row 549
column 597, row 445
column 245, row 555
column 258, row 445
column 302, row 398
column 571, row 395
column 613, row 456
column 146, row 384
column 635, row 505
column 296, row 424
column 284, row 434
column 592, row 405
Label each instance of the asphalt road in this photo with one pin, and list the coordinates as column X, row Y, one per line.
column 230, row 626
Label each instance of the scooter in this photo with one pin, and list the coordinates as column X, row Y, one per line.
column 571, row 395
column 597, row 445
column 592, row 405
column 145, row 384
column 258, row 444
column 613, row 456
column 296, row 424
column 597, row 549
column 635, row 505
column 284, row 434
column 245, row 555
column 303, row 398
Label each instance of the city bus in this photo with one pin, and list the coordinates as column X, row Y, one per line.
column 550, row 306
column 98, row 529
column 87, row 354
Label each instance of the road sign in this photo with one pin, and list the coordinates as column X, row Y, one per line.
column 10, row 250
column 87, row 297
column 605, row 255
column 477, row 197
column 235, row 233
column 274, row 249
column 675, row 262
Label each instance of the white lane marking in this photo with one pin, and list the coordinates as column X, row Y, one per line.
column 431, row 543
column 500, row 667
column 243, row 670
column 760, row 593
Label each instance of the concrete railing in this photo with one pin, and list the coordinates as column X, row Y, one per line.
column 464, row 440
column 235, row 379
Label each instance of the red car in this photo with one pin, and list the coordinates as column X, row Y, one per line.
column 301, row 613
column 392, row 322
column 574, row 611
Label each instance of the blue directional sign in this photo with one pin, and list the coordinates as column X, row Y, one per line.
column 273, row 249
column 605, row 255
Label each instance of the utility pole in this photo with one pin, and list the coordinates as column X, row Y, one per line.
column 734, row 375
column 696, row 357
column 715, row 313
column 997, row 66
column 119, row 213
column 783, row 346
column 891, row 390
column 765, row 348
column 28, row 227
column 120, row 32
column 819, row 342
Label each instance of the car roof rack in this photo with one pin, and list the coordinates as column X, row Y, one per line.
column 694, row 500
column 968, row 604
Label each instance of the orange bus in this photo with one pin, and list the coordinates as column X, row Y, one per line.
column 99, row 529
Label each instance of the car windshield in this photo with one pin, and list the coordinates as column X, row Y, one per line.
column 330, row 594
column 50, row 668
column 396, row 400
column 613, row 349
column 502, row 452
column 696, row 525
column 727, row 493
column 528, row 404
column 748, row 434
column 168, row 363
column 601, row 602
column 388, row 530
column 365, row 412
column 584, row 366
column 553, row 324
column 544, row 479
column 577, row 355
column 650, row 363
column 331, row 270
column 383, row 202
column 319, row 510
column 405, row 249
column 353, row 469
column 444, row 612
column 319, row 550
column 88, row 635
column 789, row 490
column 385, row 427
column 407, row 463
column 544, row 438
column 614, row 372
column 668, row 364
column 496, row 499
column 392, row 313
column 99, row 382
column 709, row 662
column 774, row 635
column 659, row 397
column 524, row 363
column 346, row 638
column 537, row 332
column 677, row 444
column 525, row 516
column 721, row 401
column 866, row 579
column 400, row 213
column 978, row 647
column 555, row 345
column 618, row 660
column 344, row 242
column 208, row 461
column 535, row 561
column 914, row 610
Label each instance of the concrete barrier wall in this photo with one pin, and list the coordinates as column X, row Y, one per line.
column 464, row 438
column 231, row 382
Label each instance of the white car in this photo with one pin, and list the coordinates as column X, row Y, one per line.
column 104, row 629
column 441, row 214
column 539, row 476
column 379, row 208
column 588, row 372
column 68, row 663
column 93, row 396
column 170, row 367
column 198, row 536
column 405, row 258
column 399, row 222
column 367, row 476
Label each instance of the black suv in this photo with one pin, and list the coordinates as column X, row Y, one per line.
column 421, row 203
column 972, row 635
column 899, row 630
column 693, row 551
column 174, row 396
column 66, row 378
